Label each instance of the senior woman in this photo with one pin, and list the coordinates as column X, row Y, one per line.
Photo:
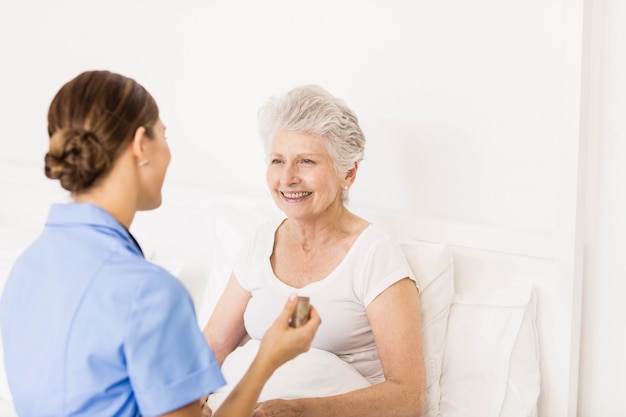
column 89, row 326
column 355, row 274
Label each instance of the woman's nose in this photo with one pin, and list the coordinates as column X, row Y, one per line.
column 290, row 174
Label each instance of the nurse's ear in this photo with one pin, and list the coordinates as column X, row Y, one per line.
column 137, row 146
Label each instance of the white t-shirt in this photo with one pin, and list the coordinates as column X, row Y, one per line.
column 374, row 262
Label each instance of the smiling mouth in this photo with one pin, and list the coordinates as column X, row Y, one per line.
column 301, row 194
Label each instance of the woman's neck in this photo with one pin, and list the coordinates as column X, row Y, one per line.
column 114, row 194
column 321, row 230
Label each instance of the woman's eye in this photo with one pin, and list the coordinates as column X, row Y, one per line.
column 307, row 161
column 276, row 161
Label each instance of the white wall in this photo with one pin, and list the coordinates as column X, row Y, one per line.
column 440, row 87
column 603, row 347
column 471, row 110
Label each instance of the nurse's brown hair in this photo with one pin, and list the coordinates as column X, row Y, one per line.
column 91, row 120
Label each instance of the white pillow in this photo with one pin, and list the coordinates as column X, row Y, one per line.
column 491, row 364
column 315, row 373
column 433, row 267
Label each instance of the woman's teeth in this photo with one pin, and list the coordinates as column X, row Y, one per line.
column 296, row 195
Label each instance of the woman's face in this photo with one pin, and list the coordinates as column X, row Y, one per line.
column 158, row 154
column 301, row 175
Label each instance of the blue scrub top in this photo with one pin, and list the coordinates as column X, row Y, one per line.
column 90, row 328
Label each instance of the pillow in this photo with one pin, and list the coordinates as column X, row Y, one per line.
column 491, row 364
column 315, row 373
column 433, row 267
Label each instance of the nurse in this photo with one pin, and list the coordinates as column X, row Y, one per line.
column 90, row 328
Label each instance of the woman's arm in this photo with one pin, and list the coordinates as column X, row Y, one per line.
column 225, row 327
column 395, row 317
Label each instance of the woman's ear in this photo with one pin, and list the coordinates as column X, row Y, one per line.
column 137, row 145
column 351, row 174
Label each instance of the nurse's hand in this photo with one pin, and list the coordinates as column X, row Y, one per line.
column 279, row 344
column 282, row 342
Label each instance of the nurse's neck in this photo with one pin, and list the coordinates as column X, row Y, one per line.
column 119, row 204
column 111, row 205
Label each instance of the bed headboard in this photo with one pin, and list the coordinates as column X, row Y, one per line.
column 182, row 232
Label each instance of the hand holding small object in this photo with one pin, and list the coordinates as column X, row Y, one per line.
column 301, row 315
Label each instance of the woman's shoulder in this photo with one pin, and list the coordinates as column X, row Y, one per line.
column 374, row 233
column 376, row 242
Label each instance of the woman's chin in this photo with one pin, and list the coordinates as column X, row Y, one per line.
column 151, row 205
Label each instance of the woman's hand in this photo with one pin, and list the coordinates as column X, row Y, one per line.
column 273, row 408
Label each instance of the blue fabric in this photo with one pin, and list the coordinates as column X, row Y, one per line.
column 90, row 328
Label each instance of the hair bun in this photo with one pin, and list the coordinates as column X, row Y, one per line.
column 76, row 158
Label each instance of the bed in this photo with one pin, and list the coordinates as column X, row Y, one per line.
column 491, row 315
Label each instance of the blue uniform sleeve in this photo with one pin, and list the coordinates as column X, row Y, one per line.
column 169, row 362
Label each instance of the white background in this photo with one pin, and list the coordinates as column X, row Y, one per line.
column 503, row 113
